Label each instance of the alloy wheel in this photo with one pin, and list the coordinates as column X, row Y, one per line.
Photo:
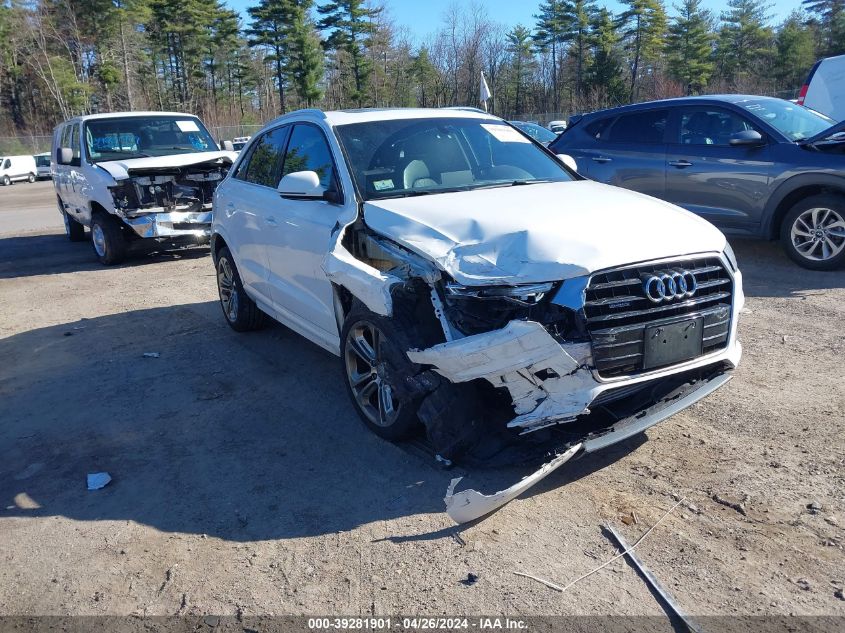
column 367, row 373
column 818, row 234
column 98, row 237
column 227, row 289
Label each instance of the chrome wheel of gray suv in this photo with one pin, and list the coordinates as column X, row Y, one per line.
column 813, row 232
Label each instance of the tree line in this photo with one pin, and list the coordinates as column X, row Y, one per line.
column 59, row 58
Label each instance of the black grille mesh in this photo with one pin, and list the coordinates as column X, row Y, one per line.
column 617, row 311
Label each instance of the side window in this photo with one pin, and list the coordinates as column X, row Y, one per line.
column 262, row 165
column 709, row 126
column 64, row 140
column 309, row 151
column 74, row 145
column 640, row 127
column 598, row 129
column 7, row 163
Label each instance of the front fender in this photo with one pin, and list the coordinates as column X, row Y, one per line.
column 771, row 217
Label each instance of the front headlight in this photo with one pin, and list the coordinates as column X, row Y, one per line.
column 528, row 294
column 729, row 253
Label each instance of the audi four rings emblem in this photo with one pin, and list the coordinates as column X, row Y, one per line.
column 669, row 285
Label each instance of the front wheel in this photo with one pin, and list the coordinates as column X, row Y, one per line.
column 74, row 230
column 813, row 232
column 375, row 365
column 241, row 312
column 108, row 239
column 6, row 181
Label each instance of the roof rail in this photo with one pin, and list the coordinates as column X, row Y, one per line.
column 466, row 108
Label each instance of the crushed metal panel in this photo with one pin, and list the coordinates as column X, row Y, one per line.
column 510, row 358
column 468, row 505
column 367, row 284
column 518, row 345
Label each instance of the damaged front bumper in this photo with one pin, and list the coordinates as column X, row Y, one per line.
column 549, row 382
column 172, row 224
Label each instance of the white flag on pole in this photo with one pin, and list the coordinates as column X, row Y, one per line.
column 484, row 91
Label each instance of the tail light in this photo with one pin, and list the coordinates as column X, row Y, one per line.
column 803, row 94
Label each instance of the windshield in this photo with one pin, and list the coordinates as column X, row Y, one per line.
column 137, row 137
column 537, row 132
column 793, row 121
column 409, row 157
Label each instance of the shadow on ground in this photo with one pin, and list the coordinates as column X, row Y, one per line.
column 49, row 254
column 242, row 437
column 768, row 272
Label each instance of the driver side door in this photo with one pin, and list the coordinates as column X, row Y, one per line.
column 299, row 235
column 725, row 184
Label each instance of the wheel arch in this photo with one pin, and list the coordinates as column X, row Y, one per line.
column 792, row 191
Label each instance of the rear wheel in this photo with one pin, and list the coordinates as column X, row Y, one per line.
column 31, row 178
column 813, row 232
column 108, row 239
column 241, row 312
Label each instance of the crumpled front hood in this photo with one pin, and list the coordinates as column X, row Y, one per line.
column 119, row 169
column 542, row 232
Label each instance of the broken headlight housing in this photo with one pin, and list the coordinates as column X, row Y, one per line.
column 478, row 309
column 525, row 295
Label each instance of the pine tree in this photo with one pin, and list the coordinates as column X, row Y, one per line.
column 689, row 47
column 519, row 47
column 269, row 30
column 604, row 74
column 551, row 34
column 744, row 39
column 795, row 52
column 643, row 28
column 306, row 54
column 831, row 15
column 350, row 25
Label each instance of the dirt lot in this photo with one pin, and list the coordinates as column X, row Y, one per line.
column 244, row 483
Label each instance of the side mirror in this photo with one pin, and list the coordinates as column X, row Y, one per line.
column 227, row 146
column 567, row 160
column 65, row 156
column 747, row 138
column 302, row 185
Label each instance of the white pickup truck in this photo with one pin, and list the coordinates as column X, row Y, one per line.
column 130, row 176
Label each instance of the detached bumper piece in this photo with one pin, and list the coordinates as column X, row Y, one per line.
column 173, row 224
column 667, row 395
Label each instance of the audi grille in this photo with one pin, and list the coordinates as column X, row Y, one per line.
column 618, row 310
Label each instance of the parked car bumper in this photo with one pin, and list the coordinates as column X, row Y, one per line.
column 172, row 224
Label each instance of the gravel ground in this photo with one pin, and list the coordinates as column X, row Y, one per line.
column 243, row 482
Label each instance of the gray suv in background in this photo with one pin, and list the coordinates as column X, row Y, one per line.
column 753, row 166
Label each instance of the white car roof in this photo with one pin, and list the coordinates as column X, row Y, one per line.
column 115, row 115
column 366, row 115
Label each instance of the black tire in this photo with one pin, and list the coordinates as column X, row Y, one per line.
column 31, row 178
column 108, row 239
column 393, row 369
column 799, row 223
column 74, row 230
column 6, row 181
column 241, row 312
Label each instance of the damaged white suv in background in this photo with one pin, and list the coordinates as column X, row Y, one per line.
column 472, row 285
column 136, row 175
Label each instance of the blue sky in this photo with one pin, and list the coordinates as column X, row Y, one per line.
column 423, row 17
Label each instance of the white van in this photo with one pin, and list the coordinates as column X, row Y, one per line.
column 824, row 90
column 43, row 164
column 15, row 168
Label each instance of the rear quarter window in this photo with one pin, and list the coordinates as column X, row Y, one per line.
column 640, row 127
column 598, row 129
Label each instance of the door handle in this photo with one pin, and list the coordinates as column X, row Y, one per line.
column 601, row 159
column 680, row 163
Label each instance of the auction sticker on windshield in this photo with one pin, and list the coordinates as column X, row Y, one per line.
column 505, row 134
column 188, row 126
